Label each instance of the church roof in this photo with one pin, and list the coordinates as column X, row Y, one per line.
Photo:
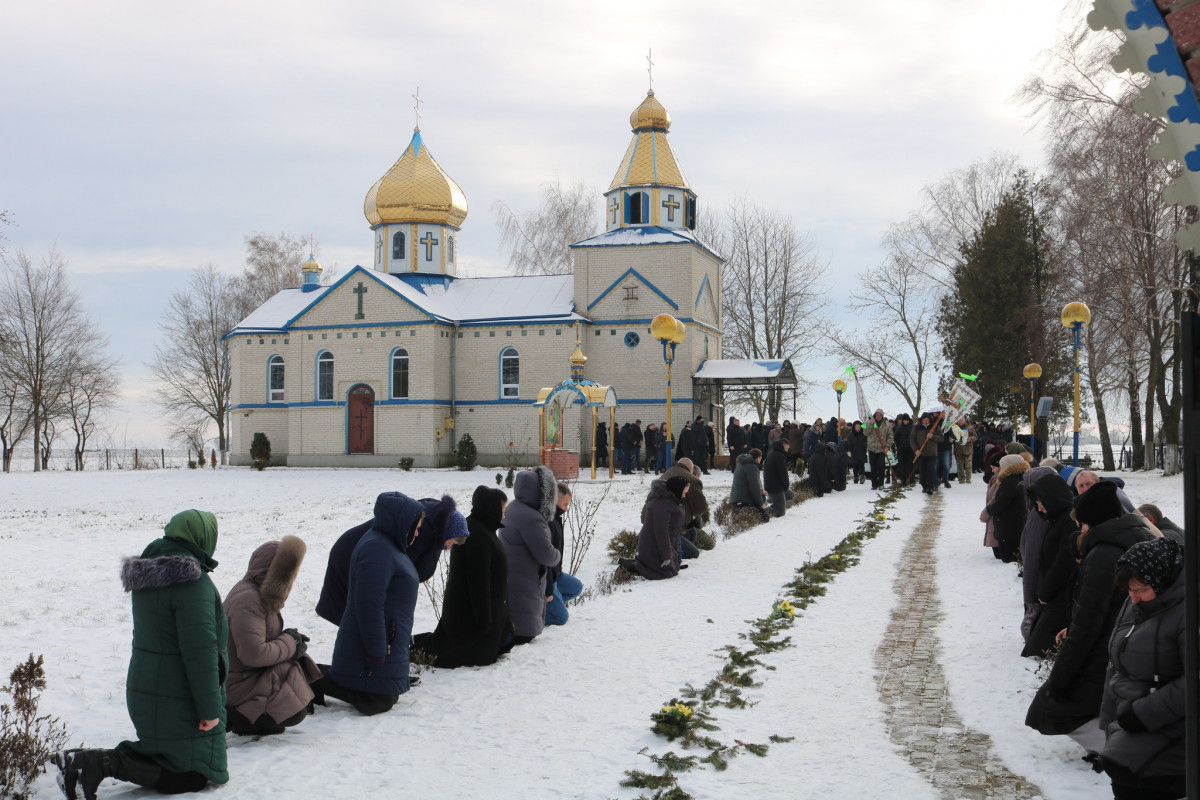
column 416, row 189
column 522, row 299
column 746, row 372
column 649, row 159
column 646, row 234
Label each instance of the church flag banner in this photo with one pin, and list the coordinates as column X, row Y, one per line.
column 864, row 408
column 962, row 399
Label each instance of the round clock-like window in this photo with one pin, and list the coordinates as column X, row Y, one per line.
column 632, row 339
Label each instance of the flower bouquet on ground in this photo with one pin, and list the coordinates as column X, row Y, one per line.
column 783, row 609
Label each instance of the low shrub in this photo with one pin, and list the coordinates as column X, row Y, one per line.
column 736, row 521
column 260, row 451
column 27, row 741
column 623, row 545
column 406, row 464
column 467, row 454
column 510, row 478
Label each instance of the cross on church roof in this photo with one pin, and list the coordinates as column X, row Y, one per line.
column 650, row 68
column 417, row 110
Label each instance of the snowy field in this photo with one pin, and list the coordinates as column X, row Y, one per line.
column 566, row 715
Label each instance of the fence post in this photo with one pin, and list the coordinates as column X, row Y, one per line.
column 135, row 458
column 107, row 463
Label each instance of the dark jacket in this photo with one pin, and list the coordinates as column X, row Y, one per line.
column 176, row 681
column 526, row 539
column 1170, row 530
column 812, row 439
column 425, row 551
column 601, row 441
column 699, row 442
column 757, row 437
column 1008, row 509
column 818, row 471
column 857, row 445
column 902, row 433
column 747, row 484
column 1071, row 695
column 475, row 621
column 695, row 504
column 650, row 438
column 265, row 676
column 1054, row 574
column 332, row 603
column 1145, row 674
column 924, row 440
column 658, row 540
column 685, row 443
column 380, row 602
column 775, row 471
column 735, row 437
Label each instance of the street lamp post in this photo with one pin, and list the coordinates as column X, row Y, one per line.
column 1076, row 316
column 670, row 332
column 839, row 386
column 1032, row 372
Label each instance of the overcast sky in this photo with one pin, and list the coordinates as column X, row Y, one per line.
column 145, row 138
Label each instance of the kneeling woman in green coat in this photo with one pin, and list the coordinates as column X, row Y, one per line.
column 175, row 689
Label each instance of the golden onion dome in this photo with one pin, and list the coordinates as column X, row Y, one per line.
column 578, row 359
column 416, row 189
column 650, row 114
column 311, row 265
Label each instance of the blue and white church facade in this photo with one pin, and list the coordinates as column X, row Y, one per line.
column 402, row 358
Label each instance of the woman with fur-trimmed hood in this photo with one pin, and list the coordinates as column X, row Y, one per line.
column 175, row 688
column 269, row 669
column 1007, row 509
column 526, row 539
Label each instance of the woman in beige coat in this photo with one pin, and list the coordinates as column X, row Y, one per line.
column 269, row 669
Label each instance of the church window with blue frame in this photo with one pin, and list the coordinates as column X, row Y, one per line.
column 690, row 214
column 632, row 339
column 275, row 379
column 510, row 373
column 450, row 249
column 398, row 246
column 637, row 208
column 325, row 376
column 400, row 374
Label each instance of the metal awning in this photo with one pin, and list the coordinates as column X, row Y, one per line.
column 745, row 372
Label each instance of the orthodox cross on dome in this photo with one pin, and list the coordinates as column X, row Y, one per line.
column 379, row 248
column 417, row 110
column 312, row 246
column 360, row 291
column 650, row 68
column 430, row 241
column 671, row 205
column 613, row 208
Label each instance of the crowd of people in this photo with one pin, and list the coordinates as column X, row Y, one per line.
column 1101, row 581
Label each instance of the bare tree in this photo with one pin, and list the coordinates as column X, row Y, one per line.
column 39, row 311
column 91, row 390
column 15, row 417
column 771, row 285
column 952, row 211
column 538, row 241
column 191, row 433
column 892, row 329
column 191, row 363
column 273, row 262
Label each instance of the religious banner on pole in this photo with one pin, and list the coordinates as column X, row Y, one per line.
column 962, row 399
column 864, row 408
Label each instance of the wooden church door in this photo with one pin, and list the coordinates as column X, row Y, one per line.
column 360, row 435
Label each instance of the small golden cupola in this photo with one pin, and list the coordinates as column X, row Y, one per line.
column 311, row 270
column 578, row 360
column 416, row 210
column 649, row 188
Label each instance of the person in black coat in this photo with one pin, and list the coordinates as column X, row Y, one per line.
column 839, row 465
column 626, row 449
column 758, row 437
column 700, row 444
column 601, row 445
column 1069, row 701
column 685, row 442
column 818, row 471
column 475, row 628
column 1056, row 562
column 735, row 440
column 775, row 477
column 1007, row 509
column 856, row 441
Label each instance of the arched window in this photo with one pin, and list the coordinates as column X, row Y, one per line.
column 510, row 373
column 637, row 207
column 450, row 249
column 325, row 375
column 398, row 246
column 275, row 379
column 400, row 374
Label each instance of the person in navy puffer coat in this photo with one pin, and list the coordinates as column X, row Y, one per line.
column 370, row 656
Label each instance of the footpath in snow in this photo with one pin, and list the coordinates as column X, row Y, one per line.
column 568, row 714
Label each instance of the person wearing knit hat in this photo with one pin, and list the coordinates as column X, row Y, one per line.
column 1143, row 706
column 1069, row 700
column 1015, row 447
column 1098, row 504
column 1007, row 507
column 677, row 484
column 456, row 531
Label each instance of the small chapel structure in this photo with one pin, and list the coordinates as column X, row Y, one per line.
column 404, row 357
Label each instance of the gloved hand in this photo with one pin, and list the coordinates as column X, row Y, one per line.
column 1130, row 722
column 301, row 642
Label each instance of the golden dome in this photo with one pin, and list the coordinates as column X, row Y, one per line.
column 311, row 265
column 416, row 189
column 650, row 114
column 578, row 359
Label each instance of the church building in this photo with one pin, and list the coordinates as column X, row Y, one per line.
column 404, row 357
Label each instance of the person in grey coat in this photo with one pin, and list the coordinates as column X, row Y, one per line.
column 526, row 539
column 1143, row 707
column 747, row 491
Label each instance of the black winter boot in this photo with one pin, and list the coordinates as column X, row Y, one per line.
column 87, row 768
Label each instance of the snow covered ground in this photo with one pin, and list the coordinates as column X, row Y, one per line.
column 566, row 715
